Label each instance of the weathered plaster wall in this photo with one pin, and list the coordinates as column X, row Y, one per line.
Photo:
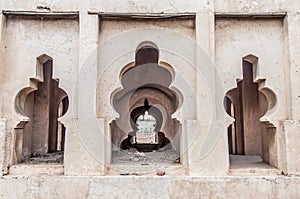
column 149, row 187
column 112, row 6
column 76, row 45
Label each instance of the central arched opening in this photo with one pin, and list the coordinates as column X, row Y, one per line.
column 145, row 106
column 146, row 122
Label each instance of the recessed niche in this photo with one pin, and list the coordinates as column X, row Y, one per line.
column 40, row 137
column 247, row 104
column 145, row 131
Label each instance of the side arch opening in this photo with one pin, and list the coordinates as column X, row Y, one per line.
column 40, row 137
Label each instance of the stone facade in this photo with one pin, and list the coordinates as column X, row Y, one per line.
column 219, row 78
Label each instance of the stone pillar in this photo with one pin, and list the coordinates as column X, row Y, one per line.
column 3, row 151
column 207, row 144
column 290, row 147
column 85, row 147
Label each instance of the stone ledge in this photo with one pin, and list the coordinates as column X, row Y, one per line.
column 149, row 187
column 146, row 169
column 36, row 169
column 250, row 165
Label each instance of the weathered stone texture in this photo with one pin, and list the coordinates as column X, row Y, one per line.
column 202, row 44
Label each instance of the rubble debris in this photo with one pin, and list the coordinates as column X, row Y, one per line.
column 49, row 158
column 133, row 156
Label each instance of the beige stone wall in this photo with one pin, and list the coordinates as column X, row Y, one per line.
column 203, row 42
column 157, row 187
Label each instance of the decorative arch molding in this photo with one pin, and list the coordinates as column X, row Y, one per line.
column 40, row 105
